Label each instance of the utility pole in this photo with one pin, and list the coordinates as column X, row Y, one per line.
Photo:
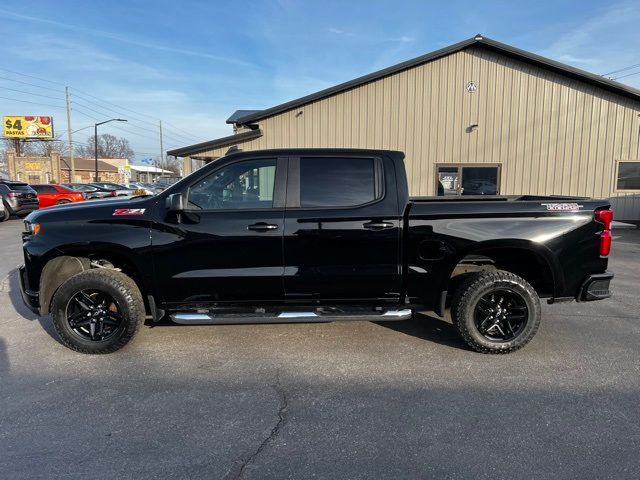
column 161, row 150
column 72, row 166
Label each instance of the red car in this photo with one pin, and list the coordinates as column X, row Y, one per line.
column 49, row 195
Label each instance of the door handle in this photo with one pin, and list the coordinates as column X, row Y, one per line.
column 262, row 227
column 378, row 225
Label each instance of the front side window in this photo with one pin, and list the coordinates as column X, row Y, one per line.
column 628, row 176
column 243, row 185
column 336, row 182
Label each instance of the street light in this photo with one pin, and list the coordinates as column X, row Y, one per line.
column 95, row 139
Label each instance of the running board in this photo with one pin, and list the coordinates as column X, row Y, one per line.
column 286, row 317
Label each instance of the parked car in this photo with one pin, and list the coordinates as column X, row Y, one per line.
column 18, row 198
column 4, row 213
column 49, row 195
column 155, row 188
column 168, row 179
column 91, row 191
column 141, row 189
column 479, row 187
column 311, row 236
column 121, row 190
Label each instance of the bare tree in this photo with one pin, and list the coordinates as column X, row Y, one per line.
column 109, row 146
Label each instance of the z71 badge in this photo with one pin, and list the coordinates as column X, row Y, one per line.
column 129, row 211
column 563, row 207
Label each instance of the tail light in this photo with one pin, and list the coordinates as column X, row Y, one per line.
column 113, row 193
column 606, row 218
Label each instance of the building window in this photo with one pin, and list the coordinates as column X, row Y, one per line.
column 460, row 179
column 628, row 177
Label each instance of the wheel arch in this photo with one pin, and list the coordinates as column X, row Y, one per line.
column 63, row 262
column 531, row 261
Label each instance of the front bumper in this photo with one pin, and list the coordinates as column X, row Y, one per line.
column 29, row 297
column 595, row 287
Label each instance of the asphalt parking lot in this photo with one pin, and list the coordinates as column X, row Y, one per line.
column 343, row 400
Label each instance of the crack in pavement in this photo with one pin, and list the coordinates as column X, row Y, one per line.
column 274, row 431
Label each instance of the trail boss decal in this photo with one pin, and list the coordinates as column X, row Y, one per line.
column 562, row 207
column 129, row 211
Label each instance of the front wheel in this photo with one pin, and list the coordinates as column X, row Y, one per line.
column 7, row 212
column 496, row 312
column 97, row 311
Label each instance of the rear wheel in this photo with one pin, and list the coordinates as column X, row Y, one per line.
column 97, row 311
column 62, row 202
column 496, row 312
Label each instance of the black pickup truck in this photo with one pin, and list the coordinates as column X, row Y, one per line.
column 311, row 235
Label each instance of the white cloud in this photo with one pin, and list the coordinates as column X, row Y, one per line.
column 605, row 42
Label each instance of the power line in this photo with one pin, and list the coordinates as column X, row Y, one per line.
column 33, row 103
column 625, row 76
column 31, row 93
column 622, row 69
column 31, row 76
column 191, row 135
column 30, row 84
column 134, row 123
column 117, row 128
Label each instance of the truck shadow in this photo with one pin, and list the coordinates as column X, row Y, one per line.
column 21, row 309
column 430, row 328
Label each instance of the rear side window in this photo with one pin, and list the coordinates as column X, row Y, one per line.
column 44, row 189
column 336, row 182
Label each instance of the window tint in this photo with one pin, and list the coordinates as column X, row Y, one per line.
column 21, row 187
column 628, row 176
column 336, row 182
column 44, row 189
column 247, row 184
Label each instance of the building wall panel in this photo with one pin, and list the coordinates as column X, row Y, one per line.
column 550, row 134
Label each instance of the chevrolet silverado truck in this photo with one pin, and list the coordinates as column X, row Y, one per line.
column 311, row 235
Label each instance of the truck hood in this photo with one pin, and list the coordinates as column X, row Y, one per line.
column 94, row 209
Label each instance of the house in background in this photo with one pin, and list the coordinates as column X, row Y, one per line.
column 147, row 173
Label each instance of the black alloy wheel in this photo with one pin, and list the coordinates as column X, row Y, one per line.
column 97, row 311
column 501, row 315
column 94, row 315
column 496, row 311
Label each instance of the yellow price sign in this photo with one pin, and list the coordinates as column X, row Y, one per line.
column 27, row 126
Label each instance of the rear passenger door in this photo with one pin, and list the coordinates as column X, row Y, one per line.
column 342, row 229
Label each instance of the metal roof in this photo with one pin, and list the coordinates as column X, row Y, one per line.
column 239, row 114
column 219, row 142
column 478, row 40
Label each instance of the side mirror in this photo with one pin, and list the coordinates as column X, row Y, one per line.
column 174, row 203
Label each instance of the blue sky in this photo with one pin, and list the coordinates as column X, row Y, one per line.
column 192, row 63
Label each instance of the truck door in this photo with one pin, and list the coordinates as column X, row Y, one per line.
column 342, row 229
column 227, row 245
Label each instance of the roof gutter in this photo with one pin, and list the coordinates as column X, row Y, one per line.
column 217, row 143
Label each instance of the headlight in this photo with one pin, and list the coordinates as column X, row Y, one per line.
column 32, row 228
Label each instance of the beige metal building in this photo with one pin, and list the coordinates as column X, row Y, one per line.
column 478, row 117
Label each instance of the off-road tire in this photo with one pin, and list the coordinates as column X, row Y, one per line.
column 469, row 294
column 119, row 286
